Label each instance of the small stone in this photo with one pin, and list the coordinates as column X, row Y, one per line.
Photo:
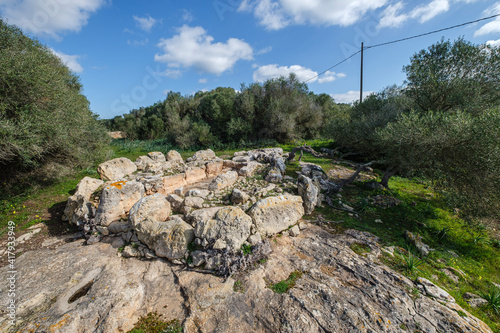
column 254, row 239
column 130, row 252
column 302, row 225
column 178, row 191
column 93, row 239
column 118, row 242
column 220, row 244
column 285, row 233
column 378, row 221
column 295, row 231
column 103, row 230
column 204, row 243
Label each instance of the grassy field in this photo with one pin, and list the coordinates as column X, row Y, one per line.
column 468, row 249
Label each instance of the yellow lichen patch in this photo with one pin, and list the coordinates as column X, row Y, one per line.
column 119, row 184
column 61, row 323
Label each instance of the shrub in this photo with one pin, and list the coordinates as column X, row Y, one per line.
column 45, row 120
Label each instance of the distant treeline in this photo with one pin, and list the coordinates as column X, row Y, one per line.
column 281, row 110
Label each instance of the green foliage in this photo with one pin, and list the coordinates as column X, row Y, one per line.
column 246, row 249
column 360, row 248
column 493, row 299
column 153, row 323
column 459, row 75
column 238, row 286
column 411, row 261
column 45, row 121
column 285, row 285
column 279, row 110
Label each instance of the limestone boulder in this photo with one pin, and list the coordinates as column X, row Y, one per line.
column 223, row 180
column 202, row 156
column 142, row 161
column 249, row 169
column 174, row 155
column 214, row 167
column 116, row 168
column 155, row 206
column 265, row 154
column 275, row 214
column 238, row 196
column 171, row 183
column 196, row 192
column 174, row 166
column 79, row 207
column 175, row 201
column 195, row 174
column 230, row 227
column 204, row 214
column 157, row 157
column 193, row 202
column 274, row 175
column 171, row 238
column 309, row 193
column 116, row 200
column 152, row 184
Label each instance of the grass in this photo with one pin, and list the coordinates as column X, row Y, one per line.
column 493, row 299
column 246, row 249
column 285, row 285
column 411, row 262
column 153, row 323
column 360, row 249
column 238, row 286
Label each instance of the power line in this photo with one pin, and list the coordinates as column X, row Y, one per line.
column 337, row 64
column 432, row 32
column 403, row 39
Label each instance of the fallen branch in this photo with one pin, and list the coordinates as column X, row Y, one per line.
column 302, row 149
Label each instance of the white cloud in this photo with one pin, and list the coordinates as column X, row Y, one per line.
column 192, row 47
column 171, row 73
column 494, row 43
column 49, row 18
column 69, row 60
column 274, row 71
column 187, row 15
column 202, row 81
column 427, row 12
column 394, row 17
column 165, row 92
column 145, row 23
column 265, row 50
column 391, row 17
column 493, row 26
column 277, row 14
column 350, row 96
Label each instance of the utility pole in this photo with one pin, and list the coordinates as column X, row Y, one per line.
column 361, row 79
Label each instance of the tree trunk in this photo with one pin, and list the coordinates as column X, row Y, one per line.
column 387, row 175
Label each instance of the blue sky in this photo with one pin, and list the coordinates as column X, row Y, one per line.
column 130, row 53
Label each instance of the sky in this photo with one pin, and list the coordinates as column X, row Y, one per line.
column 129, row 54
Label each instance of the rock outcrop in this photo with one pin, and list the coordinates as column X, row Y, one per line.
column 116, row 168
column 94, row 290
column 79, row 208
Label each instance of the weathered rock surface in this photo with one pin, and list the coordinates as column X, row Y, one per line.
column 416, row 240
column 116, row 200
column 152, row 184
column 230, row 227
column 202, row 156
column 155, row 206
column 167, row 239
column 79, row 207
column 238, row 196
column 116, row 168
column 223, row 180
column 174, row 155
column 157, row 156
column 175, row 201
column 339, row 291
column 275, row 214
column 309, row 193
column 249, row 169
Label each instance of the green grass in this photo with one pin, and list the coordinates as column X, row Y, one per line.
column 246, row 249
column 360, row 249
column 285, row 285
column 153, row 323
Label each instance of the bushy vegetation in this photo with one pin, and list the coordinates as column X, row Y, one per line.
column 46, row 125
column 444, row 125
column 281, row 110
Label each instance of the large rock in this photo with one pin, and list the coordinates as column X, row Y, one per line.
column 174, row 166
column 213, row 168
column 249, row 169
column 116, row 200
column 174, row 155
column 275, row 214
column 142, row 161
column 175, row 201
column 79, row 207
column 156, row 207
column 309, row 193
column 238, row 196
column 91, row 289
column 169, row 239
column 194, row 202
column 274, row 175
column 223, row 180
column 152, row 184
column 195, row 174
column 202, row 156
column 157, row 156
column 116, row 168
column 265, row 154
column 204, row 214
column 170, row 183
column 230, row 226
